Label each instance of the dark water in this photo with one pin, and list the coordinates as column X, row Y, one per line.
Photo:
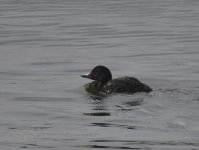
column 44, row 47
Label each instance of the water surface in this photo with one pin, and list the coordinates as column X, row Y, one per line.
column 46, row 45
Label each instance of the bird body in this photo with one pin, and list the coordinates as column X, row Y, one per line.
column 104, row 84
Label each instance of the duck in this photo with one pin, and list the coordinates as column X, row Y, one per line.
column 104, row 84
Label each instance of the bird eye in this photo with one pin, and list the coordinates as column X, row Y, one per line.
column 92, row 75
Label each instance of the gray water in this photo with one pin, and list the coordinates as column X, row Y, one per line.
column 45, row 45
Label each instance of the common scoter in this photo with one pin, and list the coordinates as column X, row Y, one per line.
column 104, row 84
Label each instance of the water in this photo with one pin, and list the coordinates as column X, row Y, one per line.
column 44, row 47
